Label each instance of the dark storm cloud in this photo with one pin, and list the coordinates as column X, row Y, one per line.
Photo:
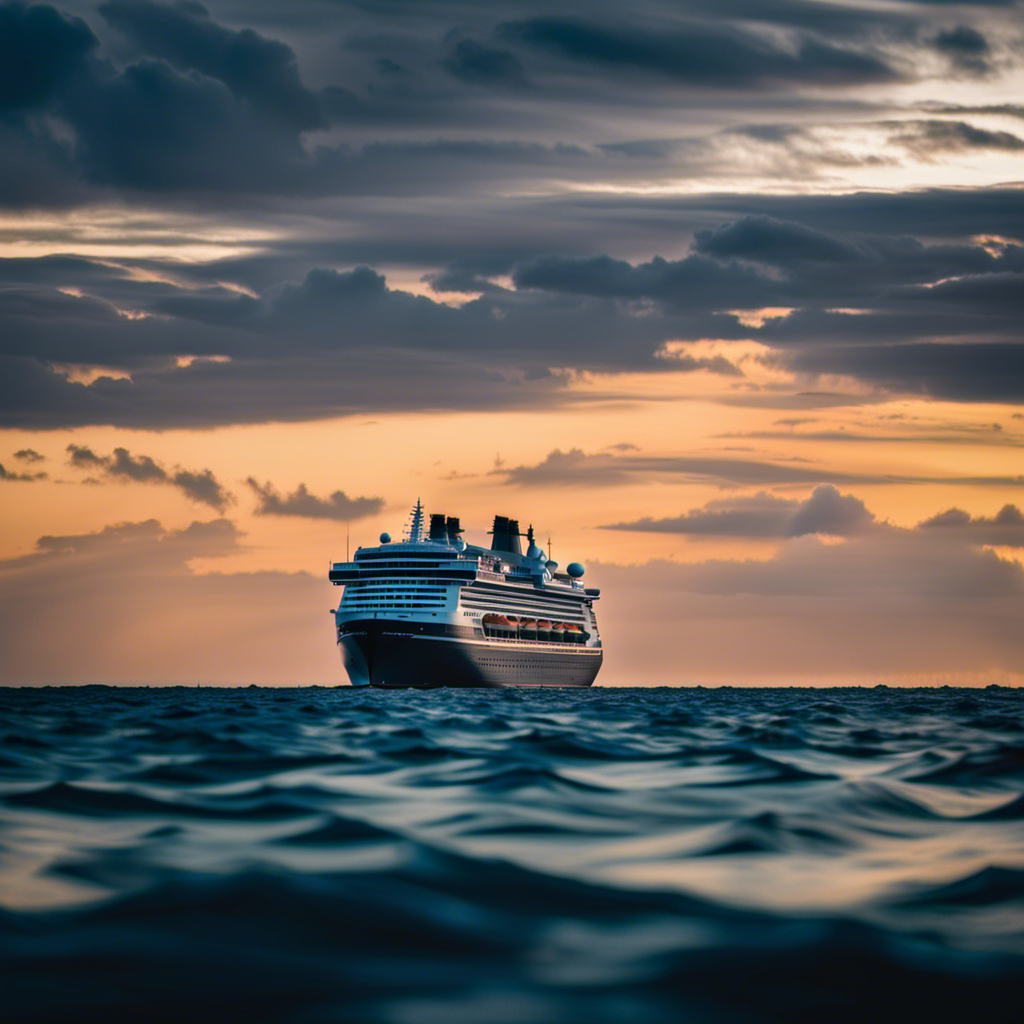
column 575, row 466
column 959, row 372
column 338, row 505
column 817, row 269
column 152, row 128
column 230, row 119
column 176, row 108
column 994, row 293
column 925, row 213
column 262, row 71
column 701, row 53
column 597, row 313
column 41, row 53
column 825, row 511
column 215, row 114
column 967, row 49
column 766, row 239
column 29, row 455
column 260, row 390
column 696, row 282
column 472, row 62
column 197, row 485
column 333, row 312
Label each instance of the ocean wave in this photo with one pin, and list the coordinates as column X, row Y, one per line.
column 324, row 855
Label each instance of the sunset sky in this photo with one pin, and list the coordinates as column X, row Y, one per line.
column 724, row 296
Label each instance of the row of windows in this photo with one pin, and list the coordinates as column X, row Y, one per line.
column 360, row 590
column 377, row 605
column 516, row 594
column 532, row 609
column 389, row 562
column 399, row 581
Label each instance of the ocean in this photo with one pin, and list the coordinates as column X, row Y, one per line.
column 609, row 856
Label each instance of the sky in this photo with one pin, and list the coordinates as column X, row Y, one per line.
column 724, row 296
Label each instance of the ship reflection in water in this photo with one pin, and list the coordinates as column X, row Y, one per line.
column 504, row 856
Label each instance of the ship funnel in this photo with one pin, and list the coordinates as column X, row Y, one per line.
column 452, row 528
column 506, row 535
column 437, row 529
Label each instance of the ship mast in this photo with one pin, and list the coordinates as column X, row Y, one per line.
column 416, row 523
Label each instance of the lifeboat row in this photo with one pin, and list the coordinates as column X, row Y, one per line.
column 514, row 627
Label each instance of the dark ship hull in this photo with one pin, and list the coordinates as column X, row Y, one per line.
column 408, row 655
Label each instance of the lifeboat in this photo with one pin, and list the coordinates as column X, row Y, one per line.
column 573, row 634
column 497, row 625
column 543, row 629
column 558, row 632
column 528, row 629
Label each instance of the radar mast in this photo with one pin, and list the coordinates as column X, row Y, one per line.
column 416, row 522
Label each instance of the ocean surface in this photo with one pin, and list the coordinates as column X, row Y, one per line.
column 511, row 857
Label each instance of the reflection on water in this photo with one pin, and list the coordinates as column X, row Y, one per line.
column 468, row 857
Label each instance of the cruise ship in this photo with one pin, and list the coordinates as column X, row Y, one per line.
column 431, row 610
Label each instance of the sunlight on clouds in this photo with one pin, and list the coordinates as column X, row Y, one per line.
column 123, row 232
column 83, row 374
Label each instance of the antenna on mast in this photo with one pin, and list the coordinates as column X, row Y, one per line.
column 416, row 524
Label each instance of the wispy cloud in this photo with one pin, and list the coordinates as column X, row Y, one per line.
column 198, row 485
column 301, row 503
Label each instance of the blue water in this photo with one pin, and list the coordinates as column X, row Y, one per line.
column 467, row 857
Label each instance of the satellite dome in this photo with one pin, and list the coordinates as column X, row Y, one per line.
column 575, row 570
column 385, row 538
column 552, row 566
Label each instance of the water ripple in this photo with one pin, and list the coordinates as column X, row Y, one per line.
column 610, row 856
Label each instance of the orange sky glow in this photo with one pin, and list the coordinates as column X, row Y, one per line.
column 662, row 319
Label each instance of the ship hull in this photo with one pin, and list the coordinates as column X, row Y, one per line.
column 402, row 655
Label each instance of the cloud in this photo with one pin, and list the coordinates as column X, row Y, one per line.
column 6, row 474
column 483, row 65
column 523, row 189
column 826, row 511
column 696, row 281
column 575, row 466
column 197, row 485
column 966, row 48
column 958, row 372
column 571, row 467
column 132, row 610
column 81, row 456
column 769, row 240
column 300, row 502
column 42, row 52
column 142, row 469
column 29, row 455
column 229, row 118
column 263, row 72
column 335, row 341
column 1004, row 529
column 926, row 138
column 702, row 53
column 887, row 602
